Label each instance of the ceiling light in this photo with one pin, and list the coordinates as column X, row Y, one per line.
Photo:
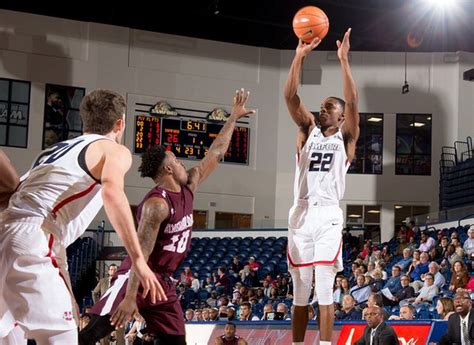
column 417, row 124
column 373, row 211
column 354, row 216
column 398, row 207
column 374, row 119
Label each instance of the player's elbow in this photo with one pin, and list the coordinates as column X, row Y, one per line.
column 110, row 192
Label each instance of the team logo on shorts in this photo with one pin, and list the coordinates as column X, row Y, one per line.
column 68, row 316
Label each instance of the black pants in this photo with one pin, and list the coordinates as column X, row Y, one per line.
column 100, row 326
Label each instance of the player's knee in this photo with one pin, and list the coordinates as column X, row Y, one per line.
column 325, row 275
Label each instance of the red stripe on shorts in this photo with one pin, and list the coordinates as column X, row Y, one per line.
column 321, row 262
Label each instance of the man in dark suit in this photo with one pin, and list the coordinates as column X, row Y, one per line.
column 460, row 324
column 377, row 332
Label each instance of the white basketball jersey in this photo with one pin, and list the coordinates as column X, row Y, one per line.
column 321, row 168
column 59, row 188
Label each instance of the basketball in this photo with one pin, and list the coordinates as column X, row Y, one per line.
column 310, row 22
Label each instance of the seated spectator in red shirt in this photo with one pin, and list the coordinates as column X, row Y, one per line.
column 254, row 266
column 185, row 277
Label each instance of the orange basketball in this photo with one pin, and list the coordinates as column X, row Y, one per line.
column 310, row 22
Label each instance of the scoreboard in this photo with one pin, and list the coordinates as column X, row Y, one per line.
column 188, row 139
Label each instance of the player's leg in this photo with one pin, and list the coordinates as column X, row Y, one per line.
column 97, row 328
column 166, row 339
column 325, row 275
column 49, row 337
column 302, row 278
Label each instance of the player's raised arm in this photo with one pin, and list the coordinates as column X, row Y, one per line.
column 154, row 212
column 302, row 116
column 117, row 161
column 219, row 146
column 350, row 129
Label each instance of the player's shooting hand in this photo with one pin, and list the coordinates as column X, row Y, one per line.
column 304, row 48
column 126, row 311
column 149, row 282
column 344, row 46
column 238, row 107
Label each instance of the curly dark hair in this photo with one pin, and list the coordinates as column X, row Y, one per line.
column 152, row 160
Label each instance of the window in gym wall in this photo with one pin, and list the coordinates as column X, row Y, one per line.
column 404, row 212
column 61, row 113
column 225, row 220
column 199, row 219
column 368, row 154
column 413, row 144
column 14, row 112
column 365, row 217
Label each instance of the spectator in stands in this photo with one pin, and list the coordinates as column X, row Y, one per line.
column 223, row 284
column 261, row 296
column 439, row 236
column 454, row 235
column 469, row 243
column 236, row 265
column 352, row 277
column 244, row 272
column 405, row 262
column 422, row 267
column 195, row 285
column 459, row 277
column 198, row 315
column 206, row 314
column 246, row 312
column 457, row 247
column 386, row 255
column 366, row 251
column 268, row 308
column 405, row 293
column 450, row 257
column 445, row 307
column 273, row 295
column 407, row 312
column 214, row 314
column 311, row 313
column 415, row 261
column 376, row 257
column 244, row 293
column 185, row 277
column 393, row 284
column 412, row 229
column 439, row 279
column 229, row 337
column 283, row 308
column 284, row 288
column 189, row 315
column 402, row 234
column 267, row 288
column 253, row 264
column 370, row 269
column 435, row 254
column 443, row 247
column 231, row 314
column 460, row 324
column 360, row 292
column 378, row 281
column 209, row 284
column 402, row 244
column 381, row 267
column 348, row 310
column 427, row 292
column 427, row 242
column 377, row 331
column 376, row 300
column 412, row 243
column 212, row 300
column 341, row 291
column 252, row 279
column 103, row 284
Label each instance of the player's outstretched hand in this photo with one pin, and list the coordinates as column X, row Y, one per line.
column 126, row 311
column 344, row 46
column 238, row 107
column 304, row 48
column 149, row 282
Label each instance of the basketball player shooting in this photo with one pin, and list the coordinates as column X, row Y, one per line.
column 165, row 224
column 324, row 152
column 58, row 198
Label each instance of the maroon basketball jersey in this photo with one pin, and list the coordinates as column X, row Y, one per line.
column 174, row 236
column 234, row 341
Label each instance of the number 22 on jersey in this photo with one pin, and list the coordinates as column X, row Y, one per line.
column 322, row 161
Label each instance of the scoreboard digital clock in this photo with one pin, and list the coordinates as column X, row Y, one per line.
column 189, row 139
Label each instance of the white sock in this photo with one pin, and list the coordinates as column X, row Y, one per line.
column 323, row 342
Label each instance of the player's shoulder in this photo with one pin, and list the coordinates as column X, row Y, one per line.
column 110, row 147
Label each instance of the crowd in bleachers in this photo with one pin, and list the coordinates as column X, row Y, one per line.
column 414, row 275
